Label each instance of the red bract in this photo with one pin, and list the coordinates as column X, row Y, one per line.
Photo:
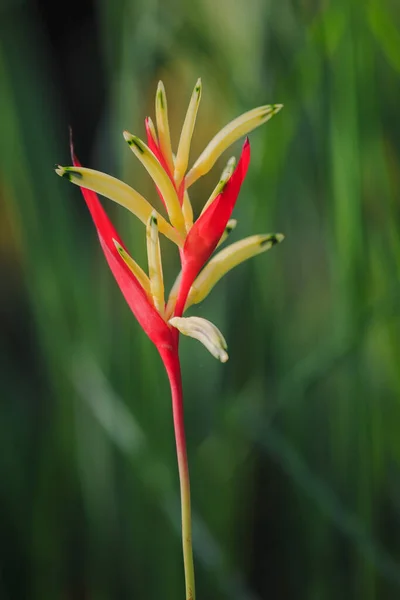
column 153, row 145
column 147, row 316
column 206, row 232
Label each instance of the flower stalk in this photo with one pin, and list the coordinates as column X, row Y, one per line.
column 172, row 366
column 197, row 239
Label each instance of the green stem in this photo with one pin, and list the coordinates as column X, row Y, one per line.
column 172, row 365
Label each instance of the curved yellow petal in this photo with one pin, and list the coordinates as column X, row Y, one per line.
column 182, row 155
column 226, row 260
column 155, row 264
column 119, row 192
column 204, row 331
column 164, row 136
column 173, row 297
column 160, row 178
column 187, row 211
column 135, row 268
column 228, row 135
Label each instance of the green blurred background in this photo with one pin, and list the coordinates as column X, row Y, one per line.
column 294, row 444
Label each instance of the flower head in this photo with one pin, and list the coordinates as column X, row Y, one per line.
column 196, row 239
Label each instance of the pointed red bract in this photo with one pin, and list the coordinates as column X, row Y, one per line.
column 147, row 316
column 209, row 227
column 206, row 232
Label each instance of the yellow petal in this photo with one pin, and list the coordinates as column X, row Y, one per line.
column 204, row 331
column 160, row 178
column 226, row 260
column 173, row 295
column 225, row 176
column 155, row 264
column 227, row 136
column 187, row 211
column 163, row 125
column 134, row 267
column 182, row 155
column 120, row 192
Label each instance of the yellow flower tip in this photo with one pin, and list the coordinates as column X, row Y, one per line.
column 173, row 296
column 269, row 110
column 134, row 268
column 182, row 155
column 133, row 140
column 230, row 226
column 67, row 172
column 228, row 171
column 271, row 239
column 164, row 136
column 223, row 357
column 152, row 226
column 155, row 263
column 161, row 95
column 60, row 170
column 198, row 89
column 187, row 211
column 124, row 255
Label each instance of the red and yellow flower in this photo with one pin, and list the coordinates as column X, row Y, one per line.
column 196, row 240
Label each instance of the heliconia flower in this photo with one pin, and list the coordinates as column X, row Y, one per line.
column 196, row 239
